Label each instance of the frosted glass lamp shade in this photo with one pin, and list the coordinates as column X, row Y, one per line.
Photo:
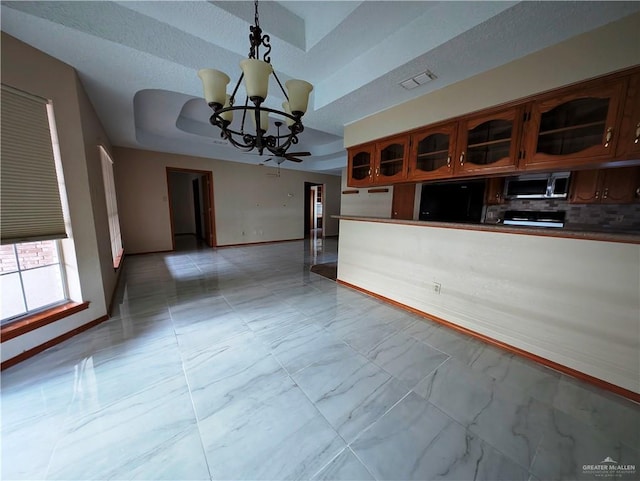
column 264, row 120
column 285, row 107
column 298, row 91
column 256, row 77
column 215, row 85
column 228, row 116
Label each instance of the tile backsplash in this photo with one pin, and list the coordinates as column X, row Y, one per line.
column 618, row 216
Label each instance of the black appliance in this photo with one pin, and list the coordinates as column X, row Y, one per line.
column 452, row 201
column 534, row 218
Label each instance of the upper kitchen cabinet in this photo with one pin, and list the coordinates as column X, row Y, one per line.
column 432, row 152
column 629, row 141
column 489, row 143
column 575, row 128
column 390, row 164
column 360, row 168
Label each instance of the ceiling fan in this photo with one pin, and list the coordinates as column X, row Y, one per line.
column 281, row 155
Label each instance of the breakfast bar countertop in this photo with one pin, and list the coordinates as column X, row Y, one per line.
column 580, row 231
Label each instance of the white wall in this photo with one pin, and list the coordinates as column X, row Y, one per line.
column 363, row 203
column 250, row 206
column 574, row 302
column 90, row 270
column 607, row 49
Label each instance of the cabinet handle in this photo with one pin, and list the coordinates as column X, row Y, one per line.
column 369, row 174
column 497, row 196
column 597, row 194
column 377, row 171
column 607, row 139
column 637, row 133
column 606, row 193
column 462, row 158
column 449, row 158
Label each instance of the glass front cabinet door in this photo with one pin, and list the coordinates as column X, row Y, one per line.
column 361, row 165
column 489, row 143
column 391, row 160
column 629, row 141
column 432, row 152
column 562, row 131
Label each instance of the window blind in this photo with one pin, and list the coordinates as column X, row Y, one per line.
column 30, row 206
column 112, row 204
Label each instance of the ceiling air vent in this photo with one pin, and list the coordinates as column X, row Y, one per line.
column 418, row 80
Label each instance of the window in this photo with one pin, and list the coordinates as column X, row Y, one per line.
column 31, row 213
column 112, row 206
column 31, row 278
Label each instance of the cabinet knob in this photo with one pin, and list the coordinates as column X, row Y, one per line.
column 607, row 138
column 449, row 157
column 637, row 139
column 462, row 158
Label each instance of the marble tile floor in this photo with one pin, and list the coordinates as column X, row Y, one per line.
column 240, row 364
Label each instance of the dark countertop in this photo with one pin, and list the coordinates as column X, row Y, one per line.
column 576, row 231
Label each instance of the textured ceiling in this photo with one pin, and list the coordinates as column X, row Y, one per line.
column 138, row 60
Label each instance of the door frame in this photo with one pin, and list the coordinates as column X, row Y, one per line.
column 212, row 240
column 308, row 212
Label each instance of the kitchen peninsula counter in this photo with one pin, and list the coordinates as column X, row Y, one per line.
column 569, row 299
column 582, row 231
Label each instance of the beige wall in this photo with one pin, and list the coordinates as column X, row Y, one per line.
column 94, row 135
column 607, row 49
column 250, row 206
column 79, row 131
column 575, row 302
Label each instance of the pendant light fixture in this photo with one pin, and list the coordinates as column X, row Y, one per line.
column 255, row 73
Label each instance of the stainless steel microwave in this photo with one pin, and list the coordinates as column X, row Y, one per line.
column 538, row 186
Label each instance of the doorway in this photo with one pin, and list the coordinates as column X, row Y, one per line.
column 314, row 209
column 191, row 208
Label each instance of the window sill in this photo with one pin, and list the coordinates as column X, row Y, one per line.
column 35, row 321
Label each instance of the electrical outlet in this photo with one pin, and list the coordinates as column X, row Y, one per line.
column 437, row 287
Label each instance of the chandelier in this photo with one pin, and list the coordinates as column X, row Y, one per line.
column 255, row 73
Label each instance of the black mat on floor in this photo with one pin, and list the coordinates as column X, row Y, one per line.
column 328, row 270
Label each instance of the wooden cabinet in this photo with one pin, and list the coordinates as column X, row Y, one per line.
column 432, row 152
column 360, row 166
column 606, row 186
column 403, row 201
column 592, row 125
column 381, row 163
column 390, row 163
column 489, row 143
column 575, row 127
column 494, row 191
column 629, row 141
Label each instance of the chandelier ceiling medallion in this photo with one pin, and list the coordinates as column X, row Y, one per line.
column 255, row 73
